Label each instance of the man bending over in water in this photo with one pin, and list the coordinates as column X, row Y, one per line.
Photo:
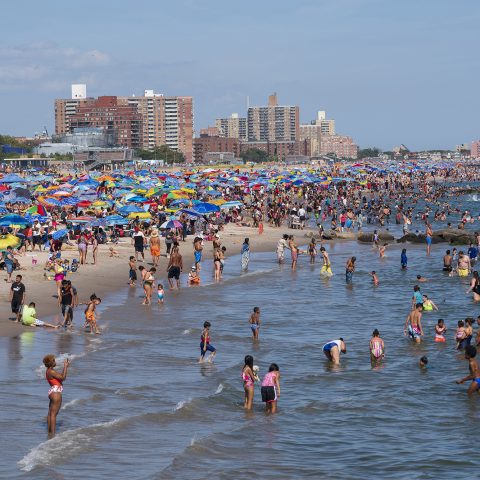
column 470, row 353
column 414, row 323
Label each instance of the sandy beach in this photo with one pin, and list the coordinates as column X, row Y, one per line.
column 111, row 273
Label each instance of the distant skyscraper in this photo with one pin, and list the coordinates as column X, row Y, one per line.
column 232, row 127
column 273, row 123
column 163, row 120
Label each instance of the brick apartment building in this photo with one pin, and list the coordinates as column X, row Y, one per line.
column 215, row 144
column 123, row 121
column 280, row 149
column 154, row 119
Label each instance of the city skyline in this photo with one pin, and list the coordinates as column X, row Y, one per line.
column 388, row 72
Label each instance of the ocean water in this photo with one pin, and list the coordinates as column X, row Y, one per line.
column 137, row 404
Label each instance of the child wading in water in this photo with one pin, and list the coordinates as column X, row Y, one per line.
column 160, row 293
column 90, row 319
column 271, row 388
column 248, row 377
column 440, row 330
column 205, row 344
column 470, row 353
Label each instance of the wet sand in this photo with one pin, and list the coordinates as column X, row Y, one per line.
column 111, row 273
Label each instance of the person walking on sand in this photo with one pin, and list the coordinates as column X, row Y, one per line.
column 55, row 380
column 254, row 322
column 248, row 378
column 174, row 267
column 413, row 323
column 17, row 297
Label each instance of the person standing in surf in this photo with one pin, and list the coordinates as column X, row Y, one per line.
column 255, row 323
column 474, row 376
column 326, row 269
column 271, row 388
column 248, row 378
column 333, row 349
column 205, row 345
column 55, row 380
column 245, row 254
column 349, row 269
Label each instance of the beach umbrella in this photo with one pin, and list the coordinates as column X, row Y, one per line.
column 142, row 215
column 137, row 198
column 231, row 204
column 130, row 209
column 115, row 220
column 9, row 240
column 12, row 178
column 13, row 219
column 205, row 208
column 59, row 234
column 171, row 224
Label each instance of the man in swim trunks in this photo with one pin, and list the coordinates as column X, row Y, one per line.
column 197, row 251
column 447, row 262
column 428, row 236
column 413, row 323
column 326, row 269
column 175, row 267
column 333, row 349
column 470, row 353
column 255, row 322
column 349, row 269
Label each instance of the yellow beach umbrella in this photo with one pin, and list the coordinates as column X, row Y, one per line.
column 142, row 215
column 10, row 240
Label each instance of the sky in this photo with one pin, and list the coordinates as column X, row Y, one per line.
column 388, row 71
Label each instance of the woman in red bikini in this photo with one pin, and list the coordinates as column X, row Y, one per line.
column 55, row 381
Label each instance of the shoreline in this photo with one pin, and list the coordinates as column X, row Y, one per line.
column 111, row 273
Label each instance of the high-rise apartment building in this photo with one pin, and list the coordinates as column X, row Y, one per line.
column 340, row 145
column 316, row 130
column 164, row 120
column 273, row 123
column 232, row 127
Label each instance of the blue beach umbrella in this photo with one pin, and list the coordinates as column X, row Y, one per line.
column 59, row 234
column 205, row 208
column 13, row 219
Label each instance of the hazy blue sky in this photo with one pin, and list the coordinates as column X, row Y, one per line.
column 388, row 71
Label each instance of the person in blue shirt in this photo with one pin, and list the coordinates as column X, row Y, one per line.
column 404, row 259
column 417, row 297
column 473, row 252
